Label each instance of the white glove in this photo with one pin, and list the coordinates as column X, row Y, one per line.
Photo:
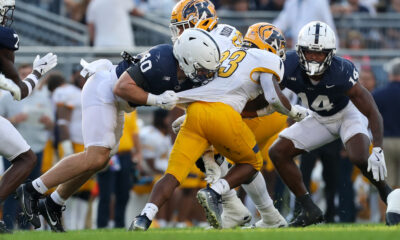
column 167, row 100
column 266, row 111
column 376, row 163
column 176, row 125
column 67, row 148
column 298, row 113
column 213, row 171
column 45, row 64
column 9, row 85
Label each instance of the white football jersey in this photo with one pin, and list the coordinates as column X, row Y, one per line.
column 70, row 96
column 238, row 79
column 155, row 145
column 226, row 37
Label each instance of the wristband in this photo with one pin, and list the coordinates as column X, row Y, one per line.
column 151, row 99
column 33, row 78
column 262, row 112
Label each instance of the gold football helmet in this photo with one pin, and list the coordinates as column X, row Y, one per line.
column 267, row 37
column 192, row 13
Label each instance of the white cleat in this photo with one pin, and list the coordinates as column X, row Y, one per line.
column 234, row 212
column 393, row 208
column 272, row 219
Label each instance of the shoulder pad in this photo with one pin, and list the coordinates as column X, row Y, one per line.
column 8, row 38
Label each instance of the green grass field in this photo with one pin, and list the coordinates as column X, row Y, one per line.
column 321, row 232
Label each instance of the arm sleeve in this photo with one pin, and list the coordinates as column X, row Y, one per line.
column 270, row 94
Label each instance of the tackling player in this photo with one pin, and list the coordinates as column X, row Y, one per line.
column 108, row 93
column 13, row 146
column 340, row 106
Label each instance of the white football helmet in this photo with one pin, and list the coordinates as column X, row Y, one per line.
column 316, row 36
column 198, row 54
column 5, row 15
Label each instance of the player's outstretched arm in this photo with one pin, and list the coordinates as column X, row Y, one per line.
column 364, row 101
column 278, row 100
column 11, row 81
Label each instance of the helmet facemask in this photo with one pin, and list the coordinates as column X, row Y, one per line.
column 312, row 67
column 6, row 15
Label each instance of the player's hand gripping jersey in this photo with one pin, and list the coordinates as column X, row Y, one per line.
column 238, row 79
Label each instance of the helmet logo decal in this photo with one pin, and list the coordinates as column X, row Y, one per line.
column 271, row 36
column 200, row 8
column 317, row 33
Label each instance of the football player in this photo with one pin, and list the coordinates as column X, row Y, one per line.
column 213, row 117
column 201, row 14
column 108, row 93
column 13, row 146
column 340, row 106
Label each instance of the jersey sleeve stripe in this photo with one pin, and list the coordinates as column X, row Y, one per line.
column 265, row 70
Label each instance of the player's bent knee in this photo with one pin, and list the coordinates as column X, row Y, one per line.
column 28, row 158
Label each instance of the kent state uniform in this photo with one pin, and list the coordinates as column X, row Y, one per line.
column 103, row 112
column 333, row 114
column 12, row 143
column 213, row 116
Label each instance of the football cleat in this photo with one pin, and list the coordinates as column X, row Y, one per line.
column 140, row 223
column 211, row 202
column 29, row 205
column 308, row 217
column 3, row 228
column 271, row 219
column 393, row 208
column 53, row 215
column 234, row 212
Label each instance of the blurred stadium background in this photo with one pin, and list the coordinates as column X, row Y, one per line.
column 370, row 39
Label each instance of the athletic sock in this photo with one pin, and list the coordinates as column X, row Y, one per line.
column 257, row 190
column 150, row 210
column 57, row 199
column 36, row 188
column 221, row 186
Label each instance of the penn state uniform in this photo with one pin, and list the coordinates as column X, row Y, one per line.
column 213, row 117
column 103, row 112
column 12, row 143
column 333, row 115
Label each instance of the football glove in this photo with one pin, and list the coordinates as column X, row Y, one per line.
column 176, row 125
column 167, row 100
column 9, row 85
column 376, row 164
column 45, row 64
column 298, row 113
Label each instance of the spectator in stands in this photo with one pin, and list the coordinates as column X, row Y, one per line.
column 109, row 23
column 349, row 7
column 67, row 99
column 33, row 118
column 269, row 5
column 297, row 13
column 76, row 10
column 118, row 178
column 386, row 98
column 394, row 6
